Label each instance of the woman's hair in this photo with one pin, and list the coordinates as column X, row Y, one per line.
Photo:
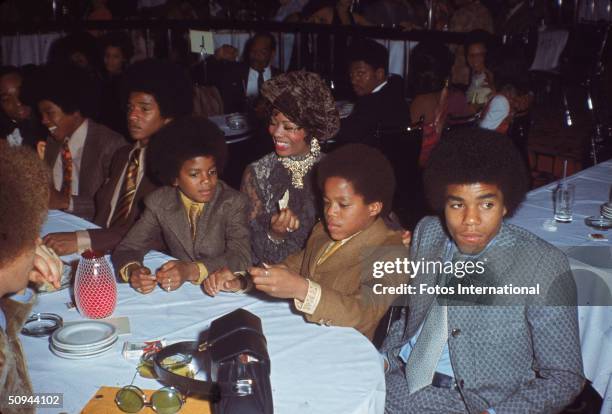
column 366, row 168
column 119, row 40
column 166, row 81
column 469, row 156
column 430, row 66
column 24, row 199
column 180, row 140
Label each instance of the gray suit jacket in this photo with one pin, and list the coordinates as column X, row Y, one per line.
column 222, row 235
column 523, row 358
column 100, row 145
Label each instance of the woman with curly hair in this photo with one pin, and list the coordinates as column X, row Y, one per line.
column 280, row 185
column 195, row 217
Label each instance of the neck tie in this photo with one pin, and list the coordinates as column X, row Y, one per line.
column 66, row 188
column 260, row 80
column 425, row 355
column 331, row 249
column 194, row 213
column 128, row 189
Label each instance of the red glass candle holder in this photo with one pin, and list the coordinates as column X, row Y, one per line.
column 95, row 289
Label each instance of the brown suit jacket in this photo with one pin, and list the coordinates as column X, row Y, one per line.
column 346, row 279
column 222, row 235
column 106, row 239
column 100, row 145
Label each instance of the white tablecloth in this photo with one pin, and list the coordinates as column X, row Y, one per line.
column 591, row 263
column 315, row 369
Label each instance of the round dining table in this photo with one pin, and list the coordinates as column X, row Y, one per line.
column 314, row 368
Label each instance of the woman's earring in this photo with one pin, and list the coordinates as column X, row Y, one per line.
column 315, row 148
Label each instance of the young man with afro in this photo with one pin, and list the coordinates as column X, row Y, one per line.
column 483, row 352
column 78, row 150
column 24, row 197
column 195, row 217
column 331, row 280
column 155, row 92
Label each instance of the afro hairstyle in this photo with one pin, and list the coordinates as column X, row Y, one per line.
column 69, row 87
column 469, row 156
column 166, row 81
column 370, row 52
column 180, row 140
column 366, row 168
column 24, row 200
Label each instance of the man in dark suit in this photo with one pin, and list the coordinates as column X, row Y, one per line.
column 380, row 98
column 78, row 150
column 156, row 92
column 484, row 351
column 239, row 82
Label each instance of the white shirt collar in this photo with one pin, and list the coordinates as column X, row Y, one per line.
column 379, row 87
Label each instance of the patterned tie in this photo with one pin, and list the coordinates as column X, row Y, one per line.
column 260, row 80
column 66, row 188
column 194, row 213
column 128, row 189
column 425, row 355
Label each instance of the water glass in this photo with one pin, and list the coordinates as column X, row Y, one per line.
column 564, row 202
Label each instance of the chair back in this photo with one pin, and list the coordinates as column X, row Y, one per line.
column 207, row 101
column 402, row 147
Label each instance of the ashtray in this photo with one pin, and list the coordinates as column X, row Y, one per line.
column 42, row 324
column 599, row 222
column 236, row 121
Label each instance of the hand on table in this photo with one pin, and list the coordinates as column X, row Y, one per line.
column 47, row 267
column 174, row 273
column 280, row 282
column 221, row 280
column 62, row 243
column 282, row 223
column 142, row 280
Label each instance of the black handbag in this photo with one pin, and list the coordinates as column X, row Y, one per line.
column 235, row 355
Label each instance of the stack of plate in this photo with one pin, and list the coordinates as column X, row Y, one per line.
column 606, row 210
column 83, row 339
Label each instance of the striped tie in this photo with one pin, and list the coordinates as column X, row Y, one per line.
column 128, row 190
column 66, row 169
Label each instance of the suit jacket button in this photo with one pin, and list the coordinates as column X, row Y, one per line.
column 455, row 332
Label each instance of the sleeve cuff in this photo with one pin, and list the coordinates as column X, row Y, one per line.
column 83, row 241
column 313, row 297
column 126, row 270
column 203, row 273
column 70, row 208
column 23, row 298
column 490, row 411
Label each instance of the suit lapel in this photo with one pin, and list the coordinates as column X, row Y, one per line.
column 51, row 151
column 90, row 153
column 353, row 249
column 179, row 223
column 205, row 219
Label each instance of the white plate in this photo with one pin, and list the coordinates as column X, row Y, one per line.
column 79, row 356
column 83, row 350
column 84, row 334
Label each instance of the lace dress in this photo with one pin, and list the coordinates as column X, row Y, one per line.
column 265, row 182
